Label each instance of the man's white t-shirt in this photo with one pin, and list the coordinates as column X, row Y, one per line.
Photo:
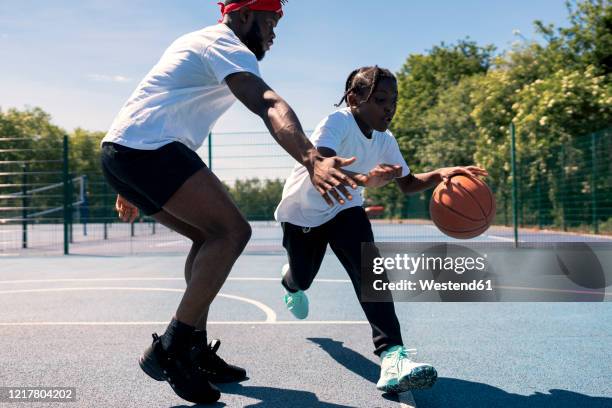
column 184, row 95
column 302, row 204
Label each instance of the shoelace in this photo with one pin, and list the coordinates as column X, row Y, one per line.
column 210, row 353
column 403, row 353
column 397, row 356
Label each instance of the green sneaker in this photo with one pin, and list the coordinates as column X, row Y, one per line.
column 398, row 373
column 297, row 303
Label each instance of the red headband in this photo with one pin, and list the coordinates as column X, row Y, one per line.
column 257, row 5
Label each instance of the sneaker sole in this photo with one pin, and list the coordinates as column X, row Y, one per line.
column 151, row 367
column 419, row 379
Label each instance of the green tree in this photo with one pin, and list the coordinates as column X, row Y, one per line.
column 421, row 82
column 257, row 199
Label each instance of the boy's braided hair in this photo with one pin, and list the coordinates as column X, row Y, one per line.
column 365, row 79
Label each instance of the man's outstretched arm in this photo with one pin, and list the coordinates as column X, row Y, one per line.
column 283, row 124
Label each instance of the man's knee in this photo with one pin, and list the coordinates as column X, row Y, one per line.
column 240, row 234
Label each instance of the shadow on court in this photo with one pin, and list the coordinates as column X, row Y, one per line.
column 348, row 358
column 452, row 392
column 272, row 397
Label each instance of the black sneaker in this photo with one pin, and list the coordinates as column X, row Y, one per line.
column 184, row 377
column 213, row 366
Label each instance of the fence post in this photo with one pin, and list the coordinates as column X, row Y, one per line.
column 66, row 180
column 106, row 206
column 24, row 205
column 84, row 205
column 539, row 184
column 71, row 206
column 514, row 185
column 594, row 182
column 563, row 189
column 210, row 151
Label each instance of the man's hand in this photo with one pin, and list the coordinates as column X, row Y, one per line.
column 447, row 172
column 128, row 212
column 329, row 180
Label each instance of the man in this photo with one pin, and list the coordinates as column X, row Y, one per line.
column 149, row 157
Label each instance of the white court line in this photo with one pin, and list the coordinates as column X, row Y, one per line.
column 144, row 278
column 495, row 237
column 171, row 243
column 270, row 314
column 221, row 323
column 266, row 309
column 406, row 400
column 580, row 292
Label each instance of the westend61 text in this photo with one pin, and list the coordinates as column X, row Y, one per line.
column 427, row 285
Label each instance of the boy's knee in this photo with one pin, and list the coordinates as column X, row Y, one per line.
column 299, row 281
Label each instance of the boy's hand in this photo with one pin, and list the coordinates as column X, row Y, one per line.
column 128, row 212
column 379, row 175
column 447, row 172
column 383, row 174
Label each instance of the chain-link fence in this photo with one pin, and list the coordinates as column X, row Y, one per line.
column 566, row 187
column 53, row 201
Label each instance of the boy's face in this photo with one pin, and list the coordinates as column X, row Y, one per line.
column 378, row 112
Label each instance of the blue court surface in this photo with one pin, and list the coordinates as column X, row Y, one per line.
column 82, row 321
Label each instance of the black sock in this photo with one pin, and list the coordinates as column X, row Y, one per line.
column 287, row 287
column 178, row 337
column 199, row 338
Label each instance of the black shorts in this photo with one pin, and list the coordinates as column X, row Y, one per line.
column 306, row 247
column 149, row 178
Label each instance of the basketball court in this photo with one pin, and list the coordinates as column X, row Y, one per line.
column 83, row 320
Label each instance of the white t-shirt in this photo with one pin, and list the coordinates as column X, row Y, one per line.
column 301, row 204
column 185, row 93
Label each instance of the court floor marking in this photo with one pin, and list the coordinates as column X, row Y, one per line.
column 405, row 400
column 270, row 314
column 504, row 239
column 580, row 292
column 145, row 278
column 219, row 323
column 268, row 311
column 494, row 237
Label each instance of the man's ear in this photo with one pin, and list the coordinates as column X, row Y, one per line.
column 246, row 17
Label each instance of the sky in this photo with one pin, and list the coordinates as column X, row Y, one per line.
column 79, row 60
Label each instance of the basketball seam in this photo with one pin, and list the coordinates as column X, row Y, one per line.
column 461, row 232
column 474, row 198
column 458, row 213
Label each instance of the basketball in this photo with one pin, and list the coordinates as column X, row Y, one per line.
column 463, row 208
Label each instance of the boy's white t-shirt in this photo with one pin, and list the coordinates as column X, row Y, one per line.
column 184, row 95
column 302, row 204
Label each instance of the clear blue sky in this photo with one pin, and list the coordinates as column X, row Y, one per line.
column 80, row 60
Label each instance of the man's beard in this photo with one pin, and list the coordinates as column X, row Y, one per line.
column 254, row 42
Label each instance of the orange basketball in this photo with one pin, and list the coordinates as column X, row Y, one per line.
column 464, row 208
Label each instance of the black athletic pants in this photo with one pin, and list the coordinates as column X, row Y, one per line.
column 344, row 233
